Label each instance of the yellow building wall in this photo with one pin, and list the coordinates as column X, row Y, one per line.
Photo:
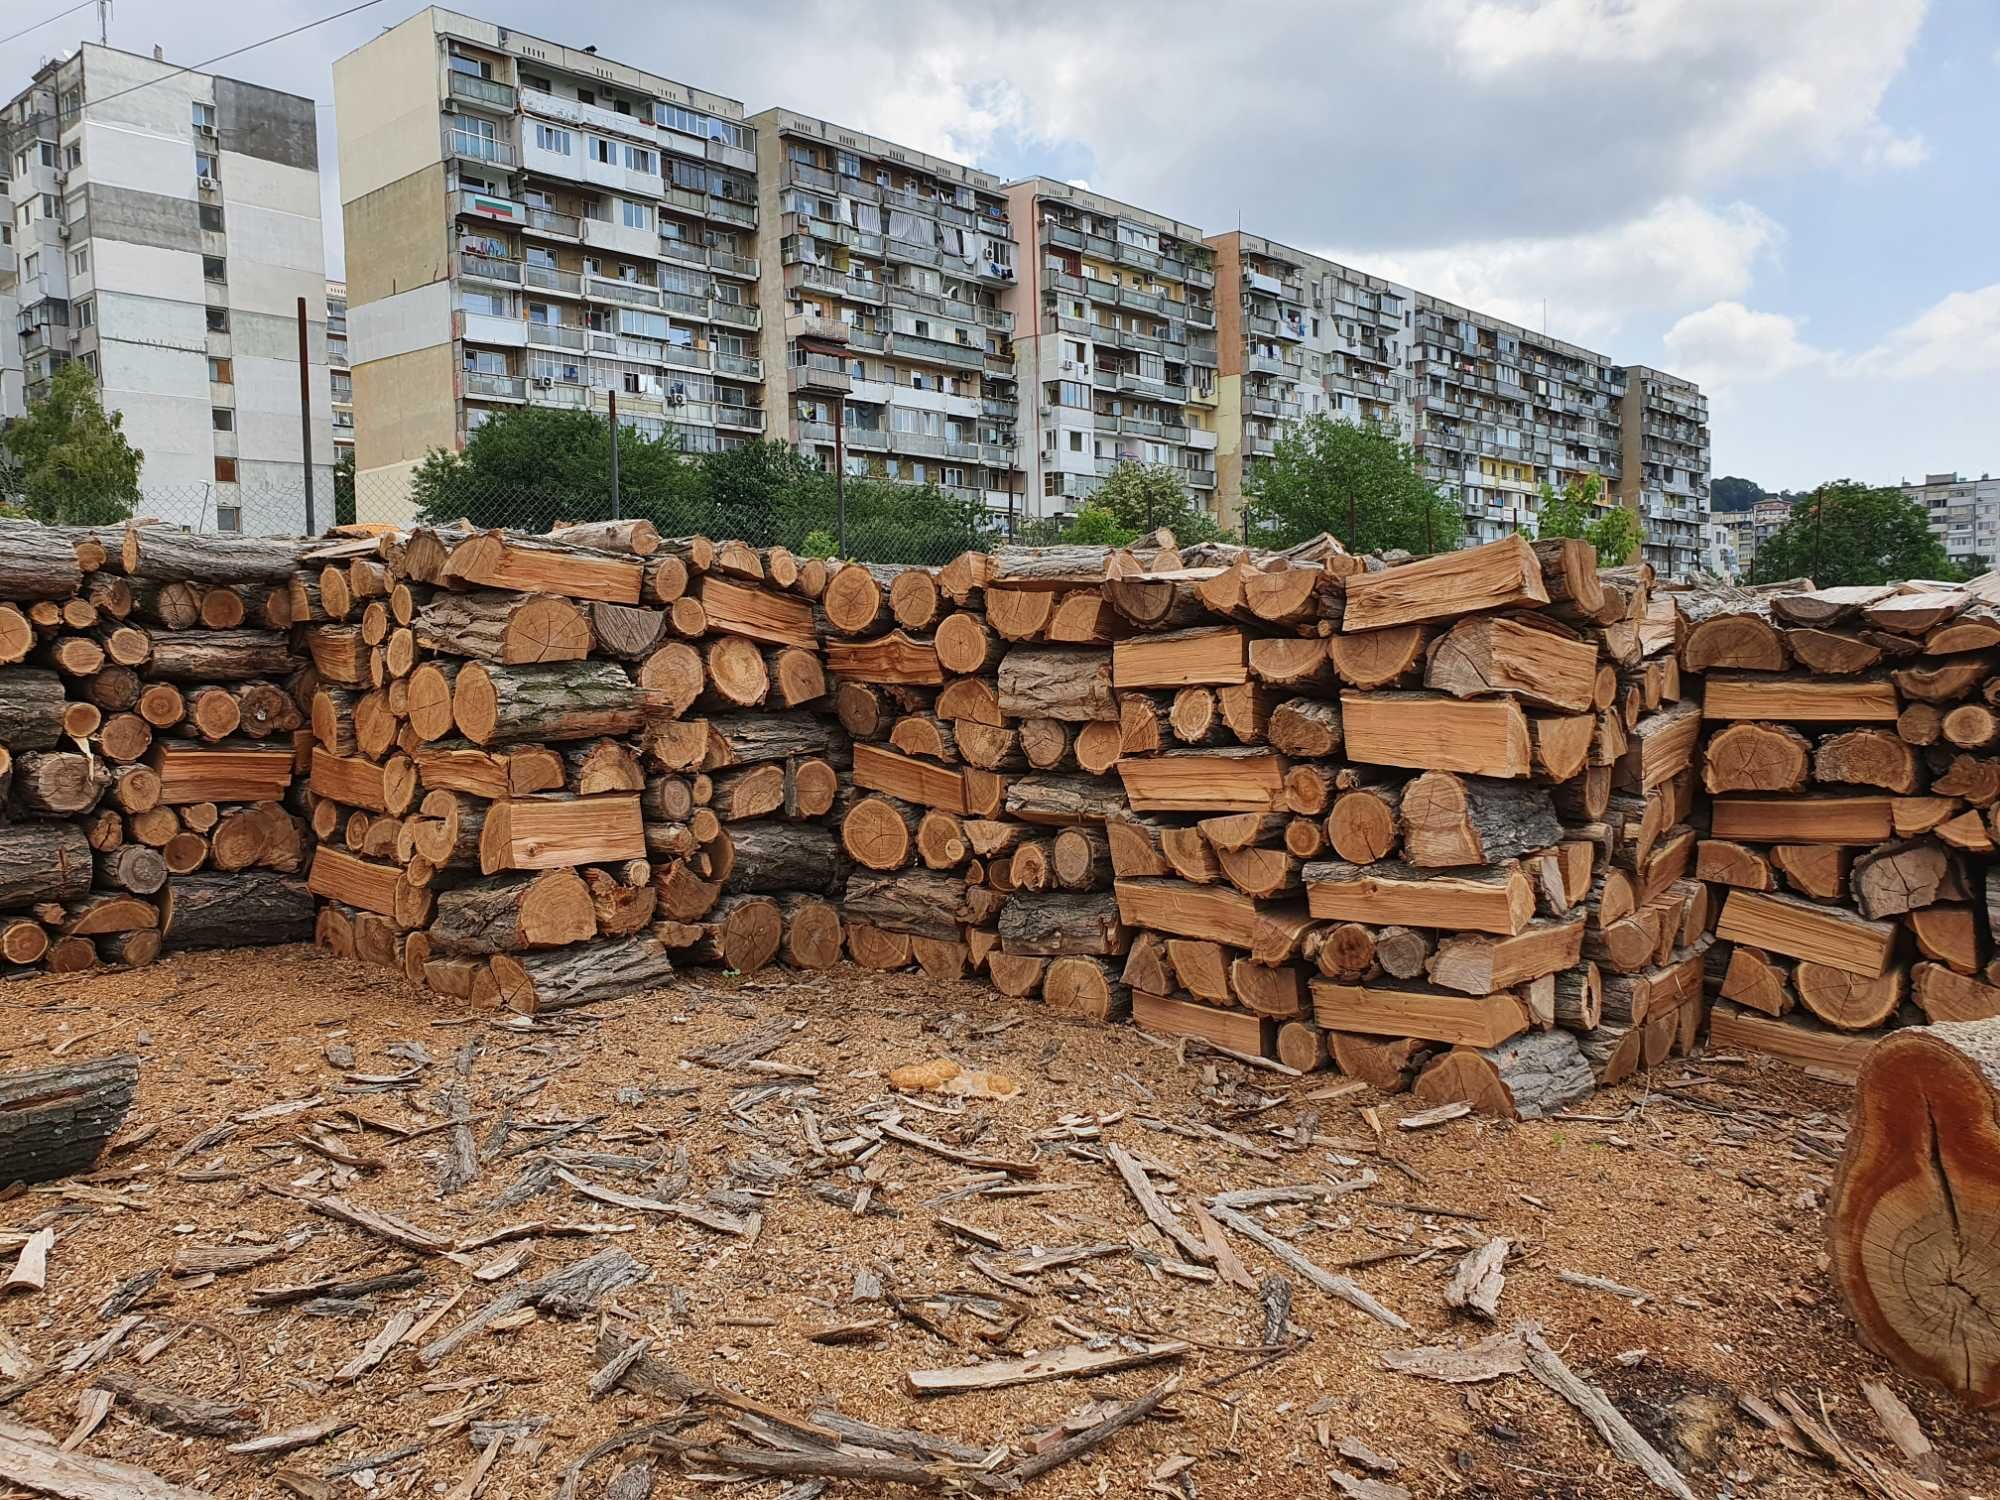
column 398, row 236
column 403, row 408
column 386, row 103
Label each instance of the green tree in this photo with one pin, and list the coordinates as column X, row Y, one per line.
column 1731, row 492
column 1142, row 497
column 747, row 490
column 1581, row 511
column 1846, row 532
column 1324, row 471
column 343, row 489
column 1099, row 526
column 886, row 521
column 75, row 466
column 533, row 466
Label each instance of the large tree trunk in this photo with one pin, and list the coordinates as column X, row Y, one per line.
column 245, row 910
column 37, row 563
column 1913, row 1222
column 164, row 554
column 54, row 1121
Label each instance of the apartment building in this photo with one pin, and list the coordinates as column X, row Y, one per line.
column 885, row 271
column 1302, row 335
column 1115, row 341
column 532, row 224
column 1964, row 514
column 1498, row 411
column 1663, row 458
column 339, row 377
column 165, row 225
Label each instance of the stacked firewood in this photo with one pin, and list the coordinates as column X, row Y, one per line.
column 545, row 767
column 1852, row 762
column 149, row 702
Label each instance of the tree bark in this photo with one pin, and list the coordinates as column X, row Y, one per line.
column 244, row 910
column 562, row 978
column 1453, row 820
column 32, row 702
column 509, row 628
column 548, row 909
column 775, row 856
column 1525, row 1078
column 55, row 1121
column 211, row 656
column 569, row 701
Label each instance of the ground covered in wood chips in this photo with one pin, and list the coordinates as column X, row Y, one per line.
column 772, row 1206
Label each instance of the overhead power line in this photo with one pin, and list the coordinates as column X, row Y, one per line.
column 15, row 35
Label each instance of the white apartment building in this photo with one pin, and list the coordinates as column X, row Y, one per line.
column 339, row 376
column 530, row 223
column 165, row 226
column 1115, row 343
column 1964, row 514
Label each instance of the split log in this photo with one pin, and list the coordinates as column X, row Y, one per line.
column 546, row 910
column 1527, row 657
column 1525, row 1078
column 562, row 978
column 54, row 1121
column 1449, row 820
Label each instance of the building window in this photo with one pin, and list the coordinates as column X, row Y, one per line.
column 79, row 261
column 205, row 165
column 686, row 121
column 637, row 215
column 48, row 153
column 218, row 320
column 536, row 81
column 204, row 114
column 548, row 138
column 211, row 217
column 214, row 268
column 228, row 518
column 86, row 314
column 225, row 469
column 600, row 150
column 219, row 371
column 72, row 157
column 222, row 419
column 639, row 159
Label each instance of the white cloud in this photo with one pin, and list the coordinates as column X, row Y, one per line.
column 1726, row 344
column 1680, row 252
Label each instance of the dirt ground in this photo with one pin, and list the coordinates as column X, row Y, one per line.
column 1702, row 1191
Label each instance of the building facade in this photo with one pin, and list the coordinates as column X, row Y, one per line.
column 1663, row 458
column 1115, row 344
column 165, row 227
column 339, row 377
column 884, row 274
column 1964, row 515
column 532, row 224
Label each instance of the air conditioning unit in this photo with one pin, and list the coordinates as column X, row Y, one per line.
column 62, row 231
column 205, row 130
column 209, row 185
column 62, row 179
column 544, row 382
column 1069, row 364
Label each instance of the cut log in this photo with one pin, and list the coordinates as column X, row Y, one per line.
column 211, row 656
column 1237, row 1030
column 1054, row 925
column 55, row 1121
column 1755, row 757
column 917, row 902
column 512, row 629
column 1387, row 1065
column 569, row 701
column 1909, row 1220
column 1234, row 779
column 1450, row 820
column 1898, row 878
column 1846, row 1001
column 812, row 931
column 1086, row 988
column 1205, row 656
column 563, row 978
column 1821, row 819
column 1071, row 685
column 507, row 560
column 894, row 658
column 1365, row 825
column 1428, row 731
column 1526, row 657
column 1448, row 584
column 59, row 783
column 1305, row 727
column 246, row 909
column 1799, row 699
column 547, row 832
column 1828, row 935
column 1418, row 1012
column 547, row 910
column 1526, row 1078
column 1481, row 965
column 1497, row 900
column 1943, row 995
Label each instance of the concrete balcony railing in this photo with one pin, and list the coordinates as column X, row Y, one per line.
column 916, row 346
column 495, row 387
column 735, row 314
column 489, row 268
column 820, row 372
column 1198, row 479
column 746, row 418
column 470, row 145
column 563, row 393
column 557, row 336
column 609, row 289
column 548, row 221
column 484, row 91
column 550, row 279
column 741, row 366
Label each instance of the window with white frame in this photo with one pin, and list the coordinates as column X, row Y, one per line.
column 637, row 215
column 550, row 139
column 640, row 159
column 204, row 114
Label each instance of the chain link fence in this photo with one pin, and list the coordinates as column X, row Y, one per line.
column 861, row 517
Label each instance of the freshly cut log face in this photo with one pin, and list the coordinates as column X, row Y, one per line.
column 226, row 773
column 1799, row 700
column 758, row 614
column 1820, row 819
column 1207, row 656
column 891, row 658
column 1419, row 1011
column 1473, row 820
column 1238, row 1030
column 1242, row 779
column 1913, row 1221
column 508, row 628
column 502, row 560
column 1753, row 757
column 1524, row 1078
column 548, row 910
column 1427, row 731
column 546, row 833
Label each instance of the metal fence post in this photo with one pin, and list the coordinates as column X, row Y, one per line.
column 612, row 399
column 306, row 418
column 840, row 478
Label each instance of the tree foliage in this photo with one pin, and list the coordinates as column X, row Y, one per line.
column 1143, row 497
column 343, row 489
column 1324, row 471
column 1580, row 511
column 534, row 466
column 1847, row 532
column 72, row 464
column 1730, row 493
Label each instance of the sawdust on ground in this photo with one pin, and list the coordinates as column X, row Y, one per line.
column 1703, row 1191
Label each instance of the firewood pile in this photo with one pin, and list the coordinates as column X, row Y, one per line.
column 1852, row 763
column 149, row 699
column 546, row 768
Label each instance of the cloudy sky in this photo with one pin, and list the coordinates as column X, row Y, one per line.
column 1796, row 202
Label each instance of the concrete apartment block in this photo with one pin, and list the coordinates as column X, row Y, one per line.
column 530, row 223
column 1663, row 466
column 1965, row 515
column 165, row 224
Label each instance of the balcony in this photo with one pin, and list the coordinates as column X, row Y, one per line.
column 1196, row 315
column 1265, row 364
column 803, row 174
column 743, row 418
column 685, row 305
column 729, row 211
column 1057, row 234
column 608, row 289
column 488, row 268
column 549, row 279
column 557, row 336
column 735, row 314
column 999, row 411
column 547, row 392
column 558, row 226
column 336, row 359
column 728, row 264
column 495, row 387
column 837, row 283
column 1198, row 479
column 999, row 366
column 484, row 91
column 912, row 254
column 916, row 346
column 1144, row 301
column 468, row 145
column 820, row 372
column 741, row 366
column 1255, row 445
